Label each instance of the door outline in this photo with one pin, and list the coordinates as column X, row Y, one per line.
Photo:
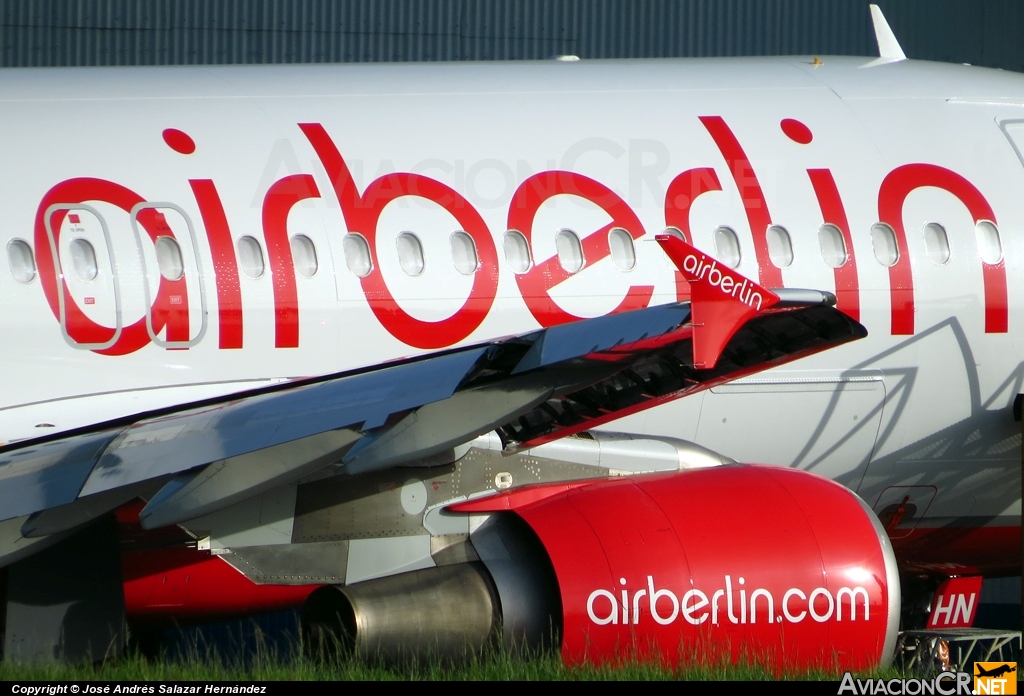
column 136, row 209
column 58, row 269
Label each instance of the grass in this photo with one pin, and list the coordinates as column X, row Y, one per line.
column 260, row 663
column 494, row 668
column 268, row 649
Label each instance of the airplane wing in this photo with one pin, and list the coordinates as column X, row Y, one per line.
column 533, row 388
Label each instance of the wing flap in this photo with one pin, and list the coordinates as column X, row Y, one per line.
column 181, row 441
column 231, row 480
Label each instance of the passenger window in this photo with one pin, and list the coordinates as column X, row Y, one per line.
column 83, row 259
column 727, row 247
column 780, row 247
column 570, row 251
column 304, row 256
column 23, row 264
column 883, row 243
column 833, row 246
column 517, row 252
column 936, row 244
column 989, row 245
column 357, row 254
column 168, row 258
column 675, row 232
column 464, row 253
column 410, row 253
column 621, row 244
column 250, row 257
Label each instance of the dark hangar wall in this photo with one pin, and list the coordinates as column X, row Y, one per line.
column 176, row 32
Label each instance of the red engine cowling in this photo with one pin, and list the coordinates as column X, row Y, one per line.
column 775, row 566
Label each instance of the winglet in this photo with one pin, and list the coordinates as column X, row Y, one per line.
column 721, row 300
column 889, row 50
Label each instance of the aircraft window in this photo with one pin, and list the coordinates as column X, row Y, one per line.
column 357, row 254
column 168, row 258
column 304, row 256
column 780, row 247
column 410, row 253
column 675, row 232
column 83, row 258
column 250, row 256
column 570, row 251
column 727, row 247
column 23, row 265
column 989, row 245
column 464, row 253
column 833, row 246
column 623, row 254
column 883, row 242
column 936, row 244
column 517, row 252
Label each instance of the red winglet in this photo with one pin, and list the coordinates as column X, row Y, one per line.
column 721, row 300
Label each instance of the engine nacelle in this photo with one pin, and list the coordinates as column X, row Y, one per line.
column 771, row 565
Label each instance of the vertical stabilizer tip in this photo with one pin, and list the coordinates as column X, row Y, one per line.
column 888, row 47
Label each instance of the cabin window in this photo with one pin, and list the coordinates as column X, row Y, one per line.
column 357, row 254
column 304, row 256
column 570, row 251
column 83, row 259
column 250, row 257
column 936, row 244
column 410, row 254
column 621, row 244
column 780, row 247
column 168, row 258
column 517, row 252
column 727, row 247
column 989, row 245
column 464, row 253
column 675, row 232
column 883, row 243
column 23, row 264
column 833, row 246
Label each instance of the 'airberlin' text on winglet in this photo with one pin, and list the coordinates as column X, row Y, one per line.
column 707, row 269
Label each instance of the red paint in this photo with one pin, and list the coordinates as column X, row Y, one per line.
column 720, row 305
column 754, row 203
column 225, row 265
column 535, row 285
column 892, row 195
column 955, row 604
column 972, row 549
column 796, row 131
column 680, row 196
column 833, row 213
column 279, row 201
column 362, row 214
column 80, row 327
column 179, row 585
column 776, row 528
column 179, row 141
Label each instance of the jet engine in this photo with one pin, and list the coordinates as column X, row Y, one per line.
column 730, row 563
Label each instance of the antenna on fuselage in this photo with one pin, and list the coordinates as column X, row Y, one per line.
column 889, row 50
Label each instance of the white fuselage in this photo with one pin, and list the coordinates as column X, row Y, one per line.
column 921, row 407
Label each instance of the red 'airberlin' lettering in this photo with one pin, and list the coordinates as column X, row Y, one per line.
column 280, row 199
column 754, row 203
column 892, row 194
column 362, row 213
column 225, row 266
column 681, row 194
column 535, row 285
column 80, row 327
column 833, row 213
